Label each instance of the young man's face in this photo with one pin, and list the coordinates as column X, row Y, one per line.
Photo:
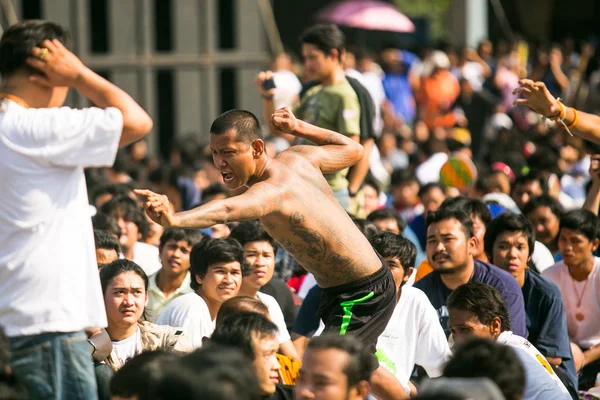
column 265, row 362
column 233, row 157
column 175, row 256
column 464, row 324
column 129, row 233
column 575, row 247
column 479, row 233
column 106, row 256
column 125, row 299
column 222, row 281
column 322, row 377
column 525, row 191
column 545, row 223
column 400, row 277
column 406, row 194
column 448, row 247
column 387, row 225
column 261, row 258
column 511, row 252
column 370, row 199
column 432, row 200
column 317, row 64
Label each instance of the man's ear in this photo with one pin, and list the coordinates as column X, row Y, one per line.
column 361, row 391
column 595, row 244
column 473, row 242
column 258, row 148
column 408, row 274
column 199, row 279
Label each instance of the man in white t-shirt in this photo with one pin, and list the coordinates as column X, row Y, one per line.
column 49, row 286
column 173, row 279
column 216, row 276
column 578, row 278
column 477, row 309
column 259, row 253
column 413, row 334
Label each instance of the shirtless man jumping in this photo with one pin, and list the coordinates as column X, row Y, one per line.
column 292, row 199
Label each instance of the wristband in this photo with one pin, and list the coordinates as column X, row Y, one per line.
column 266, row 97
column 93, row 346
column 575, row 119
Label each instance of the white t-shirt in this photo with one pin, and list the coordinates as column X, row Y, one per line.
column 276, row 316
column 541, row 257
column 128, row 348
column 287, row 87
column 48, row 274
column 147, row 256
column 585, row 333
column 190, row 313
column 541, row 383
column 413, row 336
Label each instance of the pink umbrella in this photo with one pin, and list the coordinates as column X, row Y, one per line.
column 366, row 14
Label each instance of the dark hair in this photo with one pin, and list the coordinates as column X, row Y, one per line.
column 191, row 236
column 237, row 331
column 245, row 123
column 104, row 240
column 106, row 223
column 445, row 213
column 140, row 375
column 430, row 186
column 387, row 213
column 401, row 176
column 239, row 304
column 129, row 210
column 482, row 300
column 485, row 358
column 212, row 190
column 252, row 231
column 366, row 227
column 361, row 363
column 212, row 372
column 508, row 222
column 532, row 176
column 211, row 251
column 473, row 207
column 583, row 221
column 118, row 267
column 114, row 189
column 388, row 244
column 19, row 39
column 544, row 201
column 370, row 181
column 325, row 37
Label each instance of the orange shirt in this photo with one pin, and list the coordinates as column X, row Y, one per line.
column 436, row 96
column 423, row 270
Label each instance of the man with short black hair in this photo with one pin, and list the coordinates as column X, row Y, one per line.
column 216, row 276
column 335, row 368
column 107, row 247
column 451, row 246
column 256, row 337
column 173, row 279
column 49, row 284
column 526, row 187
column 477, row 309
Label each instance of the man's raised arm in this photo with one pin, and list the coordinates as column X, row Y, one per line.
column 335, row 152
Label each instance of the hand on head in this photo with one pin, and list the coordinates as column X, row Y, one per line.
column 56, row 64
column 284, row 120
column 157, row 207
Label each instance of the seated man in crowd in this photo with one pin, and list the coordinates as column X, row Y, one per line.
column 107, row 247
column 477, row 309
column 450, row 248
column 509, row 242
column 413, row 335
column 256, row 337
column 173, row 279
column 259, row 253
column 335, row 368
column 216, row 271
column 578, row 278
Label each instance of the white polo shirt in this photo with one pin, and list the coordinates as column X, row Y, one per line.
column 48, row 275
column 157, row 300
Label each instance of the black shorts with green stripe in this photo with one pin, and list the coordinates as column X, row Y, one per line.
column 362, row 308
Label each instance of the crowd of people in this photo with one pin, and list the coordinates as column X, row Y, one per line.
column 322, row 255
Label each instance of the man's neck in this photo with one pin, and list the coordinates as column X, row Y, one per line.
column 169, row 283
column 398, row 294
column 482, row 257
column 248, row 290
column 581, row 271
column 337, row 75
column 460, row 276
column 121, row 333
column 262, row 165
column 18, row 85
column 521, row 279
column 213, row 305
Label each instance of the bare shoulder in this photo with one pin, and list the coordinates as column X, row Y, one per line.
column 297, row 155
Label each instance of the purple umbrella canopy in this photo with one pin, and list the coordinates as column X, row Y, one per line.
column 366, row 14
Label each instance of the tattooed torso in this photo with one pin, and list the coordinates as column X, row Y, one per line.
column 306, row 220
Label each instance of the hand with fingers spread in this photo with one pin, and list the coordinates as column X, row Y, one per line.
column 284, row 120
column 56, row 64
column 536, row 96
column 158, row 207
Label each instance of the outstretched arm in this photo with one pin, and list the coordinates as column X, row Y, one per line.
column 536, row 96
column 335, row 151
column 260, row 200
